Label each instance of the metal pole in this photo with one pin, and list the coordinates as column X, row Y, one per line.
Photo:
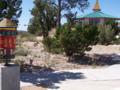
column 7, row 59
column 6, row 62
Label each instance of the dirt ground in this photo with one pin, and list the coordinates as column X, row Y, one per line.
column 32, row 88
column 58, row 62
column 42, row 58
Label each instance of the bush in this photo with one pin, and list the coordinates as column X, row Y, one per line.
column 72, row 41
column 106, row 35
column 53, row 45
column 107, row 32
column 78, row 40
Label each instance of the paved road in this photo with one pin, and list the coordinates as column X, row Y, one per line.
column 94, row 79
column 90, row 85
column 106, row 78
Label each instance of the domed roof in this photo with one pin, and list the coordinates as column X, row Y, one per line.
column 98, row 14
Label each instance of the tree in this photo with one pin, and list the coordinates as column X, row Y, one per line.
column 49, row 12
column 3, row 5
column 34, row 26
column 74, row 40
column 108, row 30
column 44, row 17
column 79, row 39
column 67, row 6
column 114, row 25
column 10, row 9
column 107, row 34
column 70, row 19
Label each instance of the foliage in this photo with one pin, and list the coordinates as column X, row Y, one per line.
column 114, row 25
column 3, row 6
column 10, row 9
column 67, row 6
column 53, row 45
column 107, row 34
column 77, row 40
column 34, row 27
column 44, row 17
column 46, row 13
column 73, row 41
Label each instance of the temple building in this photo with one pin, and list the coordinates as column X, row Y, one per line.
column 97, row 16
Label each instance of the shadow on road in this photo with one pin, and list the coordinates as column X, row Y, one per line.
column 97, row 59
column 49, row 79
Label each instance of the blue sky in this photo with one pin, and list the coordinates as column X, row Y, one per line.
column 108, row 6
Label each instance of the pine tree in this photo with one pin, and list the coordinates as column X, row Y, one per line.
column 10, row 9
column 44, row 17
column 67, row 6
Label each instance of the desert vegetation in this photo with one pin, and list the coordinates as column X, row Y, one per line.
column 68, row 42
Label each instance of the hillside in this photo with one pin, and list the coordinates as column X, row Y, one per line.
column 31, row 47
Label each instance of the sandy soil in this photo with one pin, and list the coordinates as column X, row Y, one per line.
column 101, row 49
column 32, row 88
column 107, row 78
column 42, row 58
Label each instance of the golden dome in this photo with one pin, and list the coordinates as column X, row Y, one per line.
column 97, row 6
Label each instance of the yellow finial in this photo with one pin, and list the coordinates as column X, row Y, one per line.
column 97, row 6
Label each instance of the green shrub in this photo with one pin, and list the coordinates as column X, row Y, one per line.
column 107, row 32
column 77, row 40
column 53, row 45
column 72, row 41
column 106, row 35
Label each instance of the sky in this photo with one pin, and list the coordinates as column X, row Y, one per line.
column 111, row 7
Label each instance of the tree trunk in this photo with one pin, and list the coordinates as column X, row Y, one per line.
column 59, row 14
